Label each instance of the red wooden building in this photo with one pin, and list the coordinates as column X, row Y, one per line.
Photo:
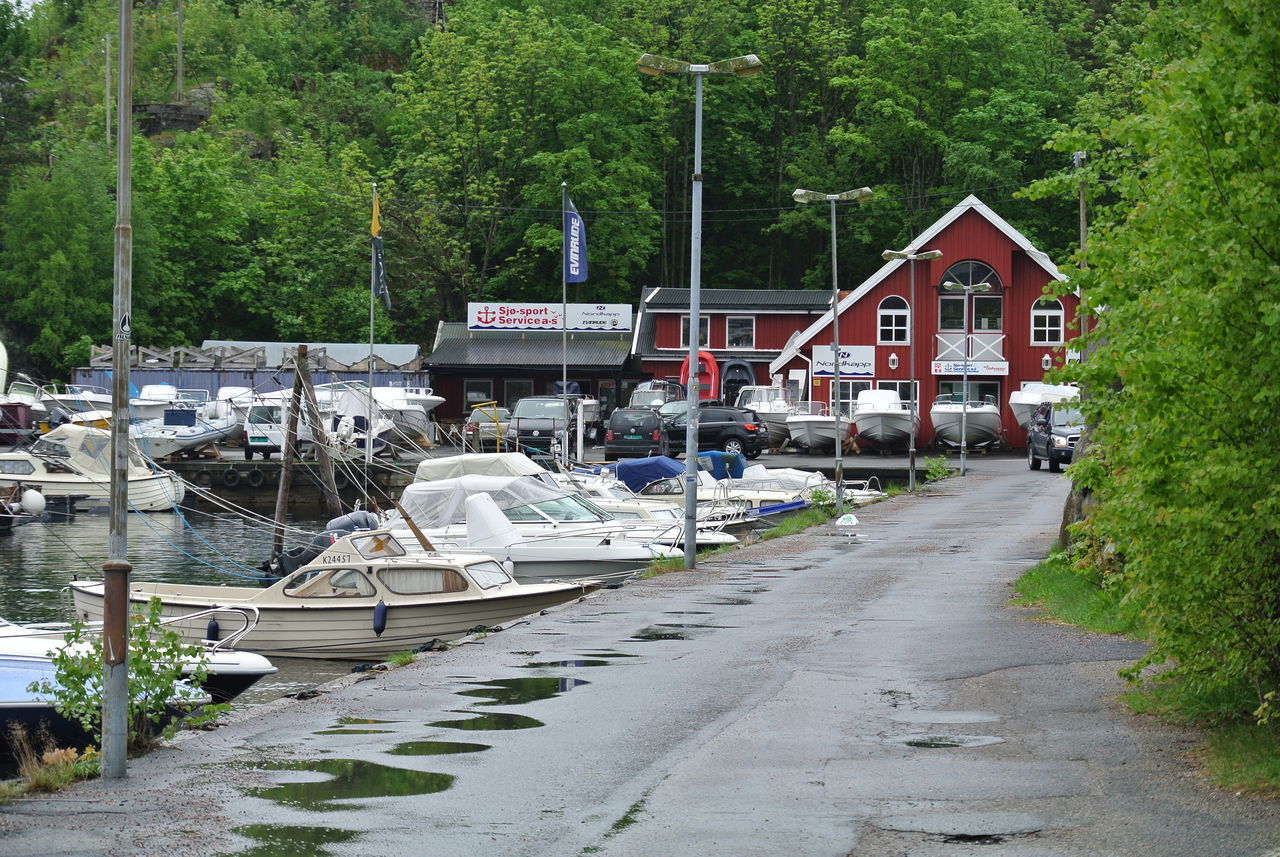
column 1010, row 330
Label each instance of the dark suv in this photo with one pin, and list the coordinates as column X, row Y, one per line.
column 634, row 433
column 1054, row 432
column 729, row 429
column 538, row 422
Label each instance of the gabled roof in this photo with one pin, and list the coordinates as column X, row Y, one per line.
column 747, row 301
column 458, row 347
column 714, row 300
column 969, row 203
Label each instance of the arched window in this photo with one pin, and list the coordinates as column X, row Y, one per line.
column 1046, row 322
column 895, row 321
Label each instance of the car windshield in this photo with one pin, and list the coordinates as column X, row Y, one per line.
column 1067, row 417
column 545, row 409
column 488, row 416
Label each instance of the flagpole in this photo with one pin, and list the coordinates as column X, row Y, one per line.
column 564, row 308
column 373, row 288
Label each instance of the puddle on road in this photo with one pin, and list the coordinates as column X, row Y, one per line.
column 495, row 722
column 730, row 602
column 435, row 748
column 935, row 742
column 338, row 728
column 348, row 779
column 650, row 634
column 517, row 691
column 354, row 732
column 583, row 662
column 686, row 613
column 290, row 841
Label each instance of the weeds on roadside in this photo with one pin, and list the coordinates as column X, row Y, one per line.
column 44, row 767
column 400, row 659
column 936, row 468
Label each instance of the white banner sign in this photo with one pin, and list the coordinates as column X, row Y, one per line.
column 976, row 367
column 856, row 361
column 500, row 316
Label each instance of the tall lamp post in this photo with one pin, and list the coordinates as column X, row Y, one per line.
column 743, row 66
column 912, row 258
column 857, row 195
column 969, row 290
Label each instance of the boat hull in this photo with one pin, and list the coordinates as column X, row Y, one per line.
column 885, row 429
column 982, row 425
column 341, row 631
column 776, row 422
column 158, row 492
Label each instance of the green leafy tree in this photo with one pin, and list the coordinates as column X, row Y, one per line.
column 1179, row 379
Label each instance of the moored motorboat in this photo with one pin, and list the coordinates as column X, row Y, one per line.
column 813, row 427
column 73, row 461
column 365, row 596
column 980, row 421
column 883, row 421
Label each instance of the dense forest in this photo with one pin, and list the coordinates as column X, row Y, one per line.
column 469, row 116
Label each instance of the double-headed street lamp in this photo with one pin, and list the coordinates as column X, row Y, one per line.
column 857, row 195
column 969, row 289
column 911, row 259
column 744, row 66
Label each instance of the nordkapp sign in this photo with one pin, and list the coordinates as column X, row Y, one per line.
column 500, row 316
column 856, row 361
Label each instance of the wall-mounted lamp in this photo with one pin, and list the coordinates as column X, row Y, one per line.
column 1046, row 362
column 893, row 361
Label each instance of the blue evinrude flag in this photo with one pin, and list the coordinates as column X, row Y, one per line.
column 575, row 244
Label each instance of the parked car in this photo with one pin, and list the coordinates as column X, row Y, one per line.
column 728, row 429
column 1055, row 430
column 485, row 427
column 539, row 422
column 634, row 433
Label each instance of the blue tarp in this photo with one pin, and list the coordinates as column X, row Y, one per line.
column 639, row 472
column 723, row 465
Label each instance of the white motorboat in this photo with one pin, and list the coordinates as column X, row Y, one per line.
column 410, row 417
column 1024, row 402
column 266, row 425
column 813, row 427
column 365, row 596
column 73, row 463
column 773, row 403
column 24, row 391
column 980, row 419
column 160, row 438
column 229, row 671
column 546, row 532
column 358, row 426
column 74, row 398
column 883, row 421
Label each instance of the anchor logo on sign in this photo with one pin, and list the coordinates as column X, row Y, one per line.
column 486, row 315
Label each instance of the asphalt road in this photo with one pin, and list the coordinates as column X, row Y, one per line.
column 786, row 699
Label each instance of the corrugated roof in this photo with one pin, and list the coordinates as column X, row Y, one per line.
column 458, row 347
column 741, row 299
column 343, row 352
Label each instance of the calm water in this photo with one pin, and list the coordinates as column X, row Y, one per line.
column 37, row 561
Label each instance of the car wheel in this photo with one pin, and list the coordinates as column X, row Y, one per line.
column 753, row 455
column 1032, row 461
column 248, row 454
column 733, row 445
column 1055, row 466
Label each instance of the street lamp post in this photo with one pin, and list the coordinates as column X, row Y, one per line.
column 969, row 289
column 743, row 66
column 912, row 258
column 857, row 195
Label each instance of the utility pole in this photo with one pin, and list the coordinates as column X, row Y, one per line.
column 106, row 42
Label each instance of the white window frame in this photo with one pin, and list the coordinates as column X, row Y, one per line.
column 704, row 331
column 1048, row 321
column 750, row 319
column 901, row 321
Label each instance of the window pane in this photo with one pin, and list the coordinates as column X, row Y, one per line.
column 987, row 312
column 704, row 329
column 740, row 332
column 951, row 313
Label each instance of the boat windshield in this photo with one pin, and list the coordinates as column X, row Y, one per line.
column 488, row 574
column 568, row 508
column 374, row 545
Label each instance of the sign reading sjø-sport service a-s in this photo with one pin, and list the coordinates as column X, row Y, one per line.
column 500, row 316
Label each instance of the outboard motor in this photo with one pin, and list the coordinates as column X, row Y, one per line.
column 360, row 519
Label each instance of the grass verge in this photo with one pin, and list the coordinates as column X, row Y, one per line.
column 1238, row 756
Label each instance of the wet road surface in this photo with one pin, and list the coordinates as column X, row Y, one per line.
column 856, row 691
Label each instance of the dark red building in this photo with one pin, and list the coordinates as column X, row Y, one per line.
column 1011, row 331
